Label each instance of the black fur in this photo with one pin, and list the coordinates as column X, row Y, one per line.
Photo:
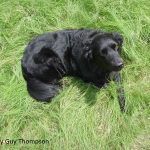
column 92, row 55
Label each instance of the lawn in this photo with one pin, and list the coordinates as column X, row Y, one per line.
column 81, row 117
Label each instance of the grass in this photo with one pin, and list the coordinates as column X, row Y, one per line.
column 81, row 117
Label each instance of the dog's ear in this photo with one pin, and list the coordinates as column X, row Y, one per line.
column 117, row 37
column 87, row 46
column 88, row 54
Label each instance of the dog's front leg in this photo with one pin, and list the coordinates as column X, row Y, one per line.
column 116, row 77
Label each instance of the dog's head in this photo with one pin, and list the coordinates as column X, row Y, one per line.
column 106, row 50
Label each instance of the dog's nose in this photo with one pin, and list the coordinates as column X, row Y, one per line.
column 120, row 65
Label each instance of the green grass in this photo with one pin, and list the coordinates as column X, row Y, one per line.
column 81, row 117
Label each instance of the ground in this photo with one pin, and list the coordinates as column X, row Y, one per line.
column 81, row 117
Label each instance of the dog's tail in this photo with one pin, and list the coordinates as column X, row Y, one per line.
column 41, row 91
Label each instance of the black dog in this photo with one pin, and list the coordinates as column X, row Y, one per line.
column 92, row 55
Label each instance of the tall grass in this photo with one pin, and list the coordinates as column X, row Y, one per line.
column 81, row 117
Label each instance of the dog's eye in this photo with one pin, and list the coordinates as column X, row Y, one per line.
column 113, row 46
column 104, row 51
